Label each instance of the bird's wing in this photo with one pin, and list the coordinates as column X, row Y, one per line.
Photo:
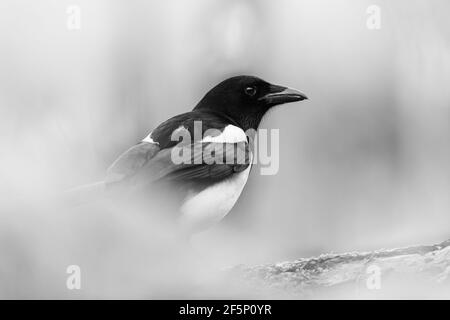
column 154, row 158
column 130, row 162
column 211, row 161
column 146, row 163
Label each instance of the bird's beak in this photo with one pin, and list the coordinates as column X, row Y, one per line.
column 279, row 95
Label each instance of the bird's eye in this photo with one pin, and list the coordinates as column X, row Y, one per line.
column 251, row 91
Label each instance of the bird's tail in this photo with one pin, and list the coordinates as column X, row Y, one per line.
column 84, row 194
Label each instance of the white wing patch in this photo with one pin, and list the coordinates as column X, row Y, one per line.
column 179, row 130
column 149, row 139
column 231, row 134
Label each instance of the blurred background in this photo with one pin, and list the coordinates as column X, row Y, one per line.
column 364, row 164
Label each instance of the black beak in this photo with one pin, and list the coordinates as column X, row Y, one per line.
column 279, row 95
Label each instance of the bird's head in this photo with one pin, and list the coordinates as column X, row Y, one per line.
column 246, row 99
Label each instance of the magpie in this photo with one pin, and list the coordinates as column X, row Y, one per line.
column 172, row 156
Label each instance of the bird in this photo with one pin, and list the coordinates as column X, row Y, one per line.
column 200, row 159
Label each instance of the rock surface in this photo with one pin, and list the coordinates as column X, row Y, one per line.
column 412, row 272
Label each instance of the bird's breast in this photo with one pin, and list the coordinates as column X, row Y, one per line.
column 212, row 204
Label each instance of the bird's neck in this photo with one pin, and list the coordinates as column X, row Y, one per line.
column 244, row 121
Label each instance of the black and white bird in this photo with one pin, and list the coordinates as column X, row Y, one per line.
column 202, row 191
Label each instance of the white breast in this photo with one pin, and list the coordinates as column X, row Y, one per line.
column 212, row 204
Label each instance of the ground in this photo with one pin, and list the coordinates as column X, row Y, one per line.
column 412, row 272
